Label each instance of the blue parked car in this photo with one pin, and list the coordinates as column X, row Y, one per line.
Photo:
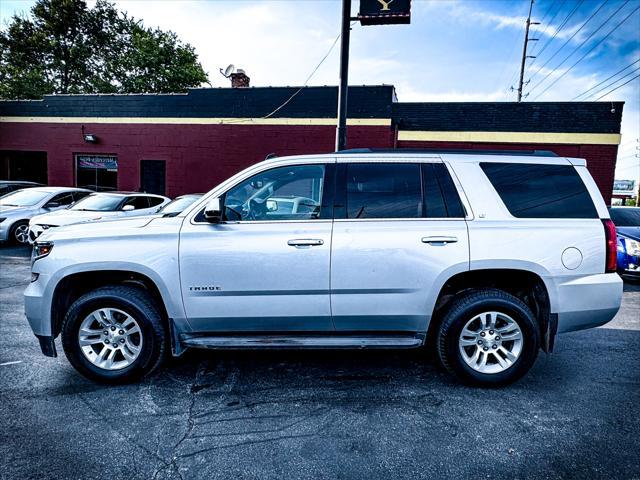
column 627, row 221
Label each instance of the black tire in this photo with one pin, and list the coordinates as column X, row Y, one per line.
column 12, row 233
column 136, row 303
column 463, row 309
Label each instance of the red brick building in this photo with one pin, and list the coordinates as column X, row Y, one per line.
column 182, row 143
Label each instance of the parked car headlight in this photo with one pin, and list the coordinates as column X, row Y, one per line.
column 40, row 250
column 633, row 247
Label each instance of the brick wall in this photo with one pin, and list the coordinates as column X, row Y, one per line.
column 198, row 157
column 568, row 117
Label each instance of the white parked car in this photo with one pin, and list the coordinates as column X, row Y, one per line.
column 482, row 257
column 18, row 207
column 179, row 205
column 98, row 206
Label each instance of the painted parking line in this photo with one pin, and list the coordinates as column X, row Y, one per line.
column 10, row 363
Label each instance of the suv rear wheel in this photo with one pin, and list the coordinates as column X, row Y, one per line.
column 114, row 334
column 488, row 338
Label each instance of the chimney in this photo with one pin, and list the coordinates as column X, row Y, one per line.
column 239, row 79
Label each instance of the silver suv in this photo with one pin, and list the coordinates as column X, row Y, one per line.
column 482, row 257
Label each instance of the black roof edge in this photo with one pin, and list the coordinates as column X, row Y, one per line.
column 463, row 151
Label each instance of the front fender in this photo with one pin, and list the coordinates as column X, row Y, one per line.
column 40, row 295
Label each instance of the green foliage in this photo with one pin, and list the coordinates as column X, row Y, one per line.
column 66, row 47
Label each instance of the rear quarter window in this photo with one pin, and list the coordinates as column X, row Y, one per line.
column 155, row 201
column 540, row 191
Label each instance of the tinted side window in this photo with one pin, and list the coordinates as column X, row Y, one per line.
column 155, row 201
column 440, row 194
column 138, row 202
column 78, row 195
column 283, row 193
column 540, row 191
column 62, row 199
column 625, row 216
column 384, row 190
column 450, row 193
column 433, row 198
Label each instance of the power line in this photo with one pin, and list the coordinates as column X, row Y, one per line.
column 615, row 81
column 569, row 39
column 549, row 10
column 286, row 102
column 542, row 32
column 562, row 25
column 619, row 86
column 606, row 79
column 578, row 47
column 592, row 48
column 335, row 41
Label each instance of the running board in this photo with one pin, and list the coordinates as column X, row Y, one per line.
column 300, row 342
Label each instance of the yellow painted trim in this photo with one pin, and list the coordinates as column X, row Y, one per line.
column 200, row 121
column 511, row 137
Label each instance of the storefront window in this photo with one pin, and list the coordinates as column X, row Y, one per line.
column 97, row 172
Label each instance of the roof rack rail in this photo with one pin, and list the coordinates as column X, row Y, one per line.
column 463, row 151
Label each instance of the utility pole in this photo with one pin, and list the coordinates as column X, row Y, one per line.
column 341, row 133
column 524, row 50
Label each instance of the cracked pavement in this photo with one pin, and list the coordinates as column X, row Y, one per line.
column 322, row 414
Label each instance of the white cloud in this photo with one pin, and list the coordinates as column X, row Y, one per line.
column 409, row 93
column 273, row 41
column 466, row 13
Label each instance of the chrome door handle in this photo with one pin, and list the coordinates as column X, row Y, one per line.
column 305, row 242
column 432, row 240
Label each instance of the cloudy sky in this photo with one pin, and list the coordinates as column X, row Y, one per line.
column 454, row 50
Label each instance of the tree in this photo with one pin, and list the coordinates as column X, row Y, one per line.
column 66, row 47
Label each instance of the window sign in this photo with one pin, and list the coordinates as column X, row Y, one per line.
column 101, row 162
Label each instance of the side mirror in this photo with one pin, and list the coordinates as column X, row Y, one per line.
column 128, row 208
column 213, row 210
column 52, row 205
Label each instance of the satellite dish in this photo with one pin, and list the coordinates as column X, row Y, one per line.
column 229, row 70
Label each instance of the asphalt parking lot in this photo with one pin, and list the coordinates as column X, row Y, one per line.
column 384, row 414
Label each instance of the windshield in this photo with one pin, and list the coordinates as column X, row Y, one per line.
column 625, row 216
column 24, row 198
column 98, row 203
column 176, row 206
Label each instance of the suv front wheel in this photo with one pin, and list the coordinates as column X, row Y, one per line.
column 488, row 338
column 114, row 334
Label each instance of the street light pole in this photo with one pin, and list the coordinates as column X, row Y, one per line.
column 341, row 131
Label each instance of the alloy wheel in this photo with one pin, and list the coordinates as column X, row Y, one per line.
column 491, row 342
column 21, row 233
column 110, row 338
